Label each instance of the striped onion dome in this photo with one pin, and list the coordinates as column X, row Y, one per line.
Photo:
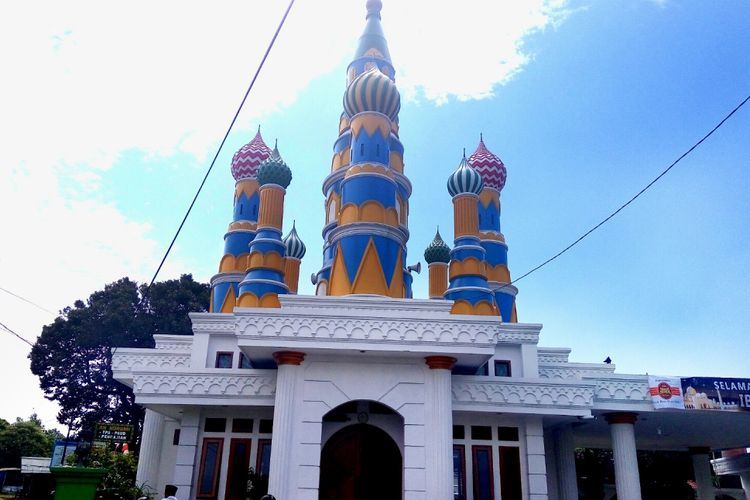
column 372, row 91
column 248, row 158
column 465, row 180
column 274, row 170
column 294, row 246
column 489, row 166
column 437, row 251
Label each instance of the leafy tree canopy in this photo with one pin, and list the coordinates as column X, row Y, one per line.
column 25, row 438
column 73, row 355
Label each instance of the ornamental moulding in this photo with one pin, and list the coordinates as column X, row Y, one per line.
column 530, row 393
column 205, row 384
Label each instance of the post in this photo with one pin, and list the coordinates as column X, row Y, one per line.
column 439, row 429
column 702, row 471
column 627, row 478
column 280, row 477
column 150, row 453
column 566, row 464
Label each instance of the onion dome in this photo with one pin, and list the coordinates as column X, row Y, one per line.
column 294, row 246
column 248, row 158
column 372, row 91
column 274, row 170
column 489, row 166
column 465, row 180
column 437, row 251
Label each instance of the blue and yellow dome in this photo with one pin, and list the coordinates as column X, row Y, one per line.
column 294, row 246
column 437, row 251
column 465, row 180
column 274, row 170
column 372, row 91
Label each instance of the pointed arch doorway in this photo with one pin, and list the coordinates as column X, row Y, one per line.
column 360, row 462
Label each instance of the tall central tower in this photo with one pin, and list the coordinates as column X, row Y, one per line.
column 367, row 194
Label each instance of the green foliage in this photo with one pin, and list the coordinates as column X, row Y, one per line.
column 73, row 355
column 25, row 438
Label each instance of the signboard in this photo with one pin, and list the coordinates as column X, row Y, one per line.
column 117, row 433
column 57, row 455
column 711, row 393
column 666, row 392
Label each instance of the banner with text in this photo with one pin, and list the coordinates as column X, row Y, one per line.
column 666, row 392
column 712, row 393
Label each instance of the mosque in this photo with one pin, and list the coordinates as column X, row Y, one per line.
column 363, row 391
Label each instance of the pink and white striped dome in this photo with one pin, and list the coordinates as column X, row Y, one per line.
column 246, row 161
column 489, row 166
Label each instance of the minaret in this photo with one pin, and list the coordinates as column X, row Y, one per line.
column 367, row 195
column 494, row 174
column 265, row 273
column 295, row 250
column 437, row 256
column 468, row 277
column 245, row 163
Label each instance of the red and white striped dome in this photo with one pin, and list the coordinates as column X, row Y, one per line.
column 246, row 161
column 489, row 166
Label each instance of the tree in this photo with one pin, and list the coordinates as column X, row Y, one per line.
column 73, row 355
column 25, row 438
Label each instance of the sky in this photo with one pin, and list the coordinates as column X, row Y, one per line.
column 111, row 113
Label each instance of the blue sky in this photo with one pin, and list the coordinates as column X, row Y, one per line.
column 584, row 102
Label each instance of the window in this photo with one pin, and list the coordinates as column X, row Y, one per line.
column 215, row 425
column 176, row 437
column 502, row 368
column 481, row 432
column 377, row 150
column 210, row 465
column 255, row 210
column 244, row 362
column 266, row 426
column 264, row 457
column 458, row 432
column 459, row 473
column 483, row 370
column 507, row 433
column 362, row 149
column 224, row 359
column 510, row 473
column 482, row 467
column 242, row 425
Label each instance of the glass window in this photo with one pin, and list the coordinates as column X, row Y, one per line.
column 482, row 466
column 242, row 425
column 507, row 433
column 176, row 437
column 459, row 473
column 239, row 465
column 458, row 432
column 264, row 457
column 481, row 432
column 502, row 368
column 215, row 425
column 224, row 359
column 266, row 426
column 208, row 475
column 245, row 362
column 510, row 473
column 482, row 370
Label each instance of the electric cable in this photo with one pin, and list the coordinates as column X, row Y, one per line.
column 242, row 103
column 27, row 301
column 631, row 200
column 6, row 329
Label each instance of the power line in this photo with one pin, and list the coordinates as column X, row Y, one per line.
column 6, row 329
column 252, row 83
column 631, row 200
column 27, row 301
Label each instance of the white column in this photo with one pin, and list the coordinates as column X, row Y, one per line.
column 280, row 477
column 702, row 471
column 184, row 467
column 535, row 459
column 627, row 478
column 439, row 429
column 745, row 478
column 566, row 464
column 150, row 450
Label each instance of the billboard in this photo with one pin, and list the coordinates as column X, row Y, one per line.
column 712, row 393
column 666, row 392
column 119, row 433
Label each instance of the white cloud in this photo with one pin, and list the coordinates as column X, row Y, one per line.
column 83, row 82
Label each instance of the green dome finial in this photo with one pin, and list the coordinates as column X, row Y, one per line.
column 437, row 251
column 274, row 170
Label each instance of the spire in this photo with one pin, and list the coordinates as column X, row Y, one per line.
column 372, row 42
